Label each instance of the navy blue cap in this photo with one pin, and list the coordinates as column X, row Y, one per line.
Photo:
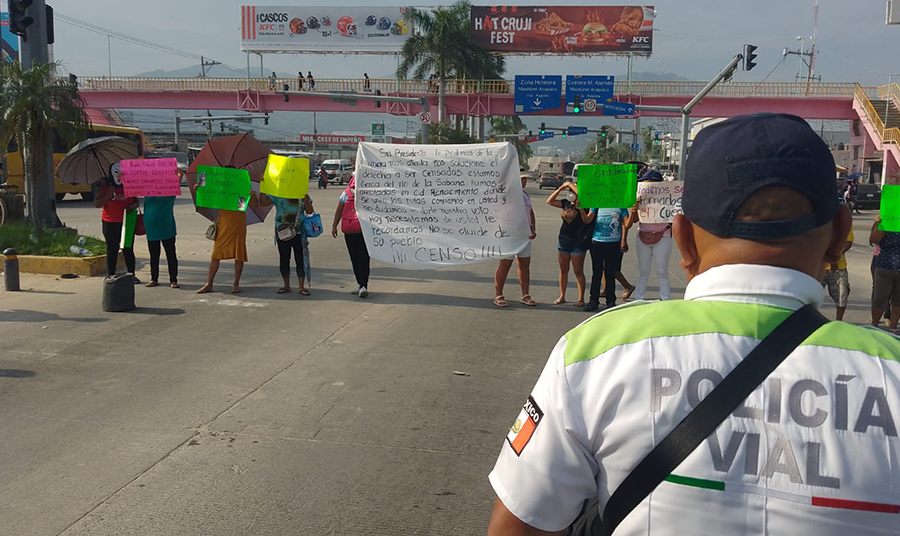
column 731, row 160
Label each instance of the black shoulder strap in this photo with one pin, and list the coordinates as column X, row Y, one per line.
column 709, row 414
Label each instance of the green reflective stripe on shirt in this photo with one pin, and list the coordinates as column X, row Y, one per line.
column 679, row 318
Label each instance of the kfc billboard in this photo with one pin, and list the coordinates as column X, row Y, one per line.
column 564, row 29
column 375, row 29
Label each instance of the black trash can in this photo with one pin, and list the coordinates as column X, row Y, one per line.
column 118, row 293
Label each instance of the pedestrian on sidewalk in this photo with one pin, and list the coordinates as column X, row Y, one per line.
column 289, row 237
column 654, row 247
column 159, row 221
column 272, row 80
column 887, row 275
column 230, row 243
column 300, row 81
column 573, row 242
column 310, row 81
column 110, row 195
column 837, row 280
column 346, row 216
column 367, row 84
column 523, row 259
column 609, row 242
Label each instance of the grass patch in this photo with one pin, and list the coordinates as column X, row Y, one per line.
column 50, row 243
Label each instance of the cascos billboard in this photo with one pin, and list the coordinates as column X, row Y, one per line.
column 323, row 29
column 564, row 29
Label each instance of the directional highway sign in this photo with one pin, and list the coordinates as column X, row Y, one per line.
column 595, row 88
column 545, row 135
column 618, row 108
column 575, row 131
column 535, row 93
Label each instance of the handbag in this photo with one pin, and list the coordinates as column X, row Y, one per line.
column 312, row 226
column 652, row 237
column 139, row 228
column 213, row 230
column 700, row 423
column 285, row 232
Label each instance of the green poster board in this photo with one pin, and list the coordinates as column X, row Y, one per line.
column 223, row 188
column 607, row 186
column 890, row 208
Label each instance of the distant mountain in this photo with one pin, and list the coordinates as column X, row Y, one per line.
column 652, row 77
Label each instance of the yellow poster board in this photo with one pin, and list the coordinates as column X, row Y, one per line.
column 286, row 177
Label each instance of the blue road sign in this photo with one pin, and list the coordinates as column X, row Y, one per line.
column 618, row 108
column 536, row 93
column 596, row 88
column 545, row 135
column 635, row 147
column 575, row 131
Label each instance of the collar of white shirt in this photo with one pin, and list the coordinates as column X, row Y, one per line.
column 753, row 283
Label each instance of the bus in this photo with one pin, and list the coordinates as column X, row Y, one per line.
column 14, row 159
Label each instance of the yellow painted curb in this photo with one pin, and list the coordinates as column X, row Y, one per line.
column 83, row 266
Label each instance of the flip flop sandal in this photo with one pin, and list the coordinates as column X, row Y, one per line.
column 500, row 301
column 303, row 292
column 175, row 285
column 578, row 304
column 559, row 301
column 282, row 290
column 235, row 290
column 152, row 284
column 627, row 294
column 527, row 300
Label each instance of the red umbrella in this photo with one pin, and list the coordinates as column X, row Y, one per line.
column 240, row 152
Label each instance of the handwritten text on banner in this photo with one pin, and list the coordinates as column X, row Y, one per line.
column 660, row 202
column 607, row 186
column 223, row 188
column 286, row 177
column 156, row 177
column 425, row 206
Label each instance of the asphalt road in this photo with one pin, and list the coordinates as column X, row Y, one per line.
column 260, row 413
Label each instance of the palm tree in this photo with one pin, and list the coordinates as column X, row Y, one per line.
column 440, row 44
column 35, row 106
column 513, row 125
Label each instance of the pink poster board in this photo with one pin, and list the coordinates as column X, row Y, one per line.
column 156, row 177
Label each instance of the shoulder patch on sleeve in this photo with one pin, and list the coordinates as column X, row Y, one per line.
column 524, row 427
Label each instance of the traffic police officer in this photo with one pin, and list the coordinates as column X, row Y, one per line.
column 813, row 450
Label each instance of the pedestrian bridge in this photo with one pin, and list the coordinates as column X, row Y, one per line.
column 873, row 111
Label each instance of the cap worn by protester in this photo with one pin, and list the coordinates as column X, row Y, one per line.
column 731, row 160
column 811, row 450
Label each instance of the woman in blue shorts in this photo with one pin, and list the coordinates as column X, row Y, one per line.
column 574, row 237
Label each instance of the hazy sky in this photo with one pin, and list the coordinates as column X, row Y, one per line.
column 695, row 38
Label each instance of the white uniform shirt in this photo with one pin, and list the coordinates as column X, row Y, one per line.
column 812, row 451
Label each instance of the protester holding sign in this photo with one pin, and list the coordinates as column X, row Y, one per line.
column 523, row 259
column 608, row 243
column 159, row 220
column 574, row 239
column 887, row 274
column 346, row 216
column 110, row 195
column 654, row 247
column 289, row 236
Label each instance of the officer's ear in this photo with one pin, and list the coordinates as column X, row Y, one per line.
column 683, row 234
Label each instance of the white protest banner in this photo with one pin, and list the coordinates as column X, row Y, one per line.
column 425, row 206
column 659, row 202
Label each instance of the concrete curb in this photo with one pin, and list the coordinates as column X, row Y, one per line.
column 83, row 266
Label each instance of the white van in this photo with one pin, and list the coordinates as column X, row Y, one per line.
column 338, row 171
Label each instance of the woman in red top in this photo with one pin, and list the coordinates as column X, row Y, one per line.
column 345, row 215
column 111, row 198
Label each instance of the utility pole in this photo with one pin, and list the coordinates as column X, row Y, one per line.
column 204, row 64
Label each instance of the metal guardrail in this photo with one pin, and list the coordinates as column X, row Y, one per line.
column 463, row 87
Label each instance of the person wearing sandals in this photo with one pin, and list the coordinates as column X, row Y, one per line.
column 289, row 236
column 523, row 258
column 654, row 247
column 159, row 221
column 574, row 236
column 230, row 243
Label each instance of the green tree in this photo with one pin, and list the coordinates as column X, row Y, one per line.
column 513, row 125
column 598, row 153
column 35, row 106
column 440, row 44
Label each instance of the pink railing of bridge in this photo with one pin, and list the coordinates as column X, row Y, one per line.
column 461, row 87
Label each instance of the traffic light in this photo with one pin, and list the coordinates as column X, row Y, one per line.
column 51, row 37
column 564, row 133
column 749, row 57
column 603, row 131
column 221, row 127
column 378, row 102
column 656, row 138
column 19, row 21
column 577, row 107
column 543, row 128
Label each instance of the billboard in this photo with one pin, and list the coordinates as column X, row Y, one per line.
column 335, row 29
column 9, row 43
column 332, row 139
column 564, row 29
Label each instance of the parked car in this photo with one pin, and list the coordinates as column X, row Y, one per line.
column 550, row 179
column 868, row 196
column 339, row 171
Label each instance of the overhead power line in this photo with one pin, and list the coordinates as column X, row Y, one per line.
column 134, row 40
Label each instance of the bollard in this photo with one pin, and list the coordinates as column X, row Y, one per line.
column 11, row 270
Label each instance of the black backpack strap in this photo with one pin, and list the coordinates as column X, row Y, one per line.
column 709, row 414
